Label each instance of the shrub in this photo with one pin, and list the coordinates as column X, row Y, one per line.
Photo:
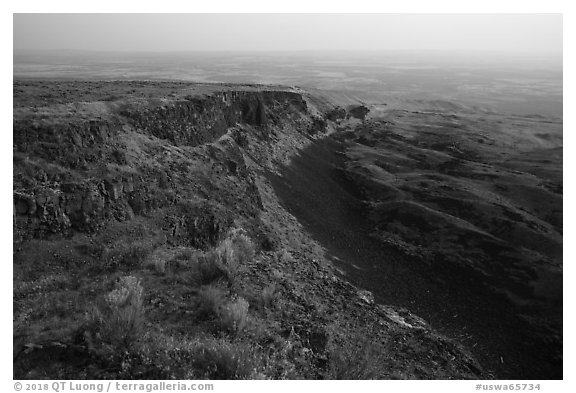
column 132, row 255
column 165, row 260
column 119, row 321
column 268, row 295
column 225, row 260
column 236, row 250
column 219, row 359
column 243, row 246
column 233, row 316
column 285, row 257
column 210, row 300
column 209, row 267
column 158, row 260
column 202, row 357
column 185, row 254
column 364, row 360
column 136, row 253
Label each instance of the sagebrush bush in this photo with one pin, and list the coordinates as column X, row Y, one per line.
column 234, row 315
column 284, row 256
column 224, row 260
column 359, row 359
column 136, row 253
column 158, row 260
column 128, row 256
column 119, row 320
column 220, row 359
column 185, row 254
column 268, row 295
column 209, row 267
column 243, row 246
column 203, row 357
column 210, row 300
column 227, row 259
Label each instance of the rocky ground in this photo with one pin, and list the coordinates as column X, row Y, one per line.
column 442, row 214
column 151, row 242
column 476, row 200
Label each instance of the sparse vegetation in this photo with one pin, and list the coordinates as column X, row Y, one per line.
column 208, row 268
column 243, row 246
column 221, row 359
column 359, row 358
column 285, row 256
column 210, row 300
column 234, row 315
column 268, row 295
column 201, row 357
column 119, row 319
column 159, row 260
column 232, row 253
column 225, row 260
column 213, row 307
column 126, row 256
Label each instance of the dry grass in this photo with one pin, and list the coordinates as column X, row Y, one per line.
column 356, row 360
column 209, row 267
column 158, row 260
column 204, row 267
column 128, row 256
column 220, row 359
column 202, row 357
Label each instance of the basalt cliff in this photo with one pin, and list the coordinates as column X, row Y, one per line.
column 177, row 230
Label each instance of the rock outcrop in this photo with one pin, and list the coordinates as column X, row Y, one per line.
column 175, row 194
column 79, row 165
column 358, row 112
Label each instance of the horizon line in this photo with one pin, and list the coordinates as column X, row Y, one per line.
column 132, row 51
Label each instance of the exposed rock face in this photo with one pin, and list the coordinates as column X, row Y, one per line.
column 177, row 192
column 319, row 124
column 67, row 141
column 358, row 112
column 200, row 120
column 335, row 114
column 200, row 225
column 99, row 161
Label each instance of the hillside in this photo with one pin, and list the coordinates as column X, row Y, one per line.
column 444, row 215
column 179, row 230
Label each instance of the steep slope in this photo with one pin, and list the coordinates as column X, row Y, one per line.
column 473, row 205
column 149, row 242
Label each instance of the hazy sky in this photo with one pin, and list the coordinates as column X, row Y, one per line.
column 536, row 33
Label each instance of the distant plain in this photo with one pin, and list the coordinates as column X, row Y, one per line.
column 523, row 85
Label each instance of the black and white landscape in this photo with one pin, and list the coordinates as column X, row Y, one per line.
column 285, row 214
